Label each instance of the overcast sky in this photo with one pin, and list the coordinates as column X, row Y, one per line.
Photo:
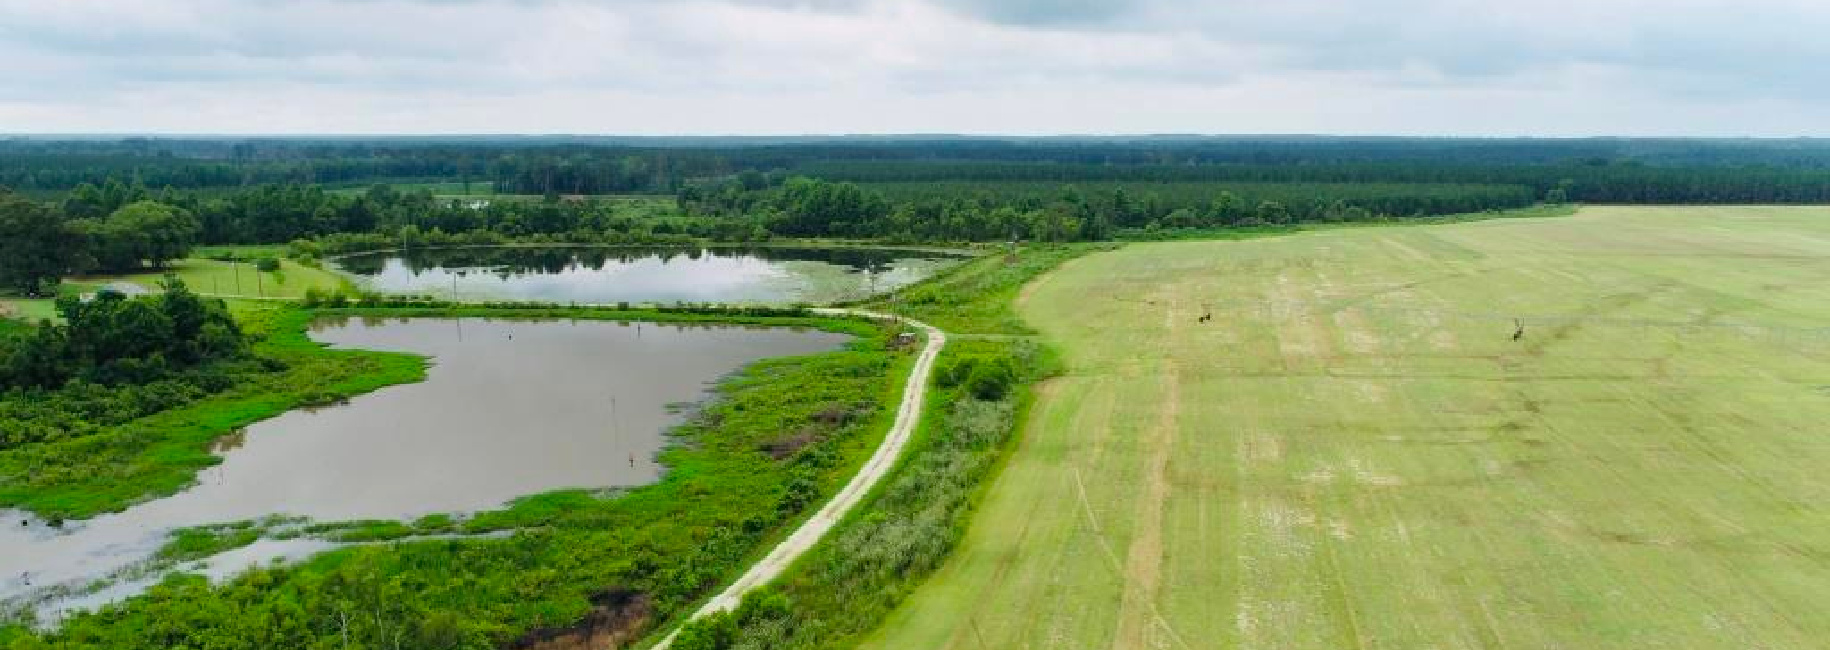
column 1441, row 67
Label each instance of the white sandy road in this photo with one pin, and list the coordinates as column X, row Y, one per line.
column 816, row 527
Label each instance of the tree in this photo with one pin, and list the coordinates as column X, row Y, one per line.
column 164, row 232
column 990, row 380
column 113, row 339
column 37, row 245
column 142, row 232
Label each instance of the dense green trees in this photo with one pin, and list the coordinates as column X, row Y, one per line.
column 1046, row 211
column 142, row 232
column 113, row 339
column 40, row 243
column 938, row 189
column 113, row 360
column 595, row 165
column 37, row 245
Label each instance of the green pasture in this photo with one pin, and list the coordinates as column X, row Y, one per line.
column 1354, row 450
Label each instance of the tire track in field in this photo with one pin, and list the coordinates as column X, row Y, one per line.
column 1144, row 561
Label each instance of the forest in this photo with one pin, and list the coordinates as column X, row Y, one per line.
column 600, row 165
column 101, row 204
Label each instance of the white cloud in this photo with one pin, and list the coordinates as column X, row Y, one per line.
column 1553, row 67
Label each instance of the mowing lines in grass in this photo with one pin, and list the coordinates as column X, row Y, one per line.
column 1362, row 456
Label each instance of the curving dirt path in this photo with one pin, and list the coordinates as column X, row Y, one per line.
column 810, row 532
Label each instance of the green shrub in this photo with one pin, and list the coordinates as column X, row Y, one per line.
column 990, row 380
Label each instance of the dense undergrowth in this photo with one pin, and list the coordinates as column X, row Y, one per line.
column 568, row 565
column 854, row 578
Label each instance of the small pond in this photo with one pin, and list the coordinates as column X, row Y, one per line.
column 509, row 408
column 756, row 275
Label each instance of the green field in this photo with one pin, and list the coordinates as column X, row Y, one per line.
column 1355, row 453
column 204, row 276
column 218, row 278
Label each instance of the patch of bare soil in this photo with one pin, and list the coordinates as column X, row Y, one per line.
column 617, row 619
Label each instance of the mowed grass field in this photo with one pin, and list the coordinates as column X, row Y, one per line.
column 205, row 276
column 1355, row 453
column 240, row 279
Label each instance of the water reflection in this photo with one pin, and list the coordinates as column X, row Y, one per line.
column 607, row 275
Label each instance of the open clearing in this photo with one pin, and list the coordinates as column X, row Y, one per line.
column 219, row 278
column 1355, row 453
column 205, row 276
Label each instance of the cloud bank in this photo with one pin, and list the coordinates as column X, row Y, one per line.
column 1447, row 67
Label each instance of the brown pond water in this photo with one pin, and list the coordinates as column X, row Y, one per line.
column 509, row 408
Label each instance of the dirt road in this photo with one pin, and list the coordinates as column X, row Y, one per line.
column 810, row 532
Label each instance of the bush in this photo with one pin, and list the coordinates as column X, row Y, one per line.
column 267, row 264
column 954, row 372
column 990, row 380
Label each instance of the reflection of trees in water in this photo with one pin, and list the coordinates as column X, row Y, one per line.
column 506, row 262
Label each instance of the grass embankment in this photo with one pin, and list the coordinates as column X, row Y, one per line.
column 584, row 565
column 1354, row 452
column 847, row 584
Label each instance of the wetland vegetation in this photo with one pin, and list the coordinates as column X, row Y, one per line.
column 779, row 435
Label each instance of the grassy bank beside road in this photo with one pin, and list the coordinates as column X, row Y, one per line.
column 864, row 567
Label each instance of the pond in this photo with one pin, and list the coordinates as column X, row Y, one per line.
column 508, row 408
column 754, row 275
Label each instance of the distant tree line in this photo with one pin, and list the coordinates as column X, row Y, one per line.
column 1600, row 169
column 1589, row 181
column 98, row 210
column 1039, row 211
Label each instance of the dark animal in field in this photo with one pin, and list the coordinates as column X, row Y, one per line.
column 1520, row 332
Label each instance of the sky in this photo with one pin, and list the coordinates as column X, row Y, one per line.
column 1031, row 67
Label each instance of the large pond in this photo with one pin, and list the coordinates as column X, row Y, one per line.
column 646, row 275
column 509, row 408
